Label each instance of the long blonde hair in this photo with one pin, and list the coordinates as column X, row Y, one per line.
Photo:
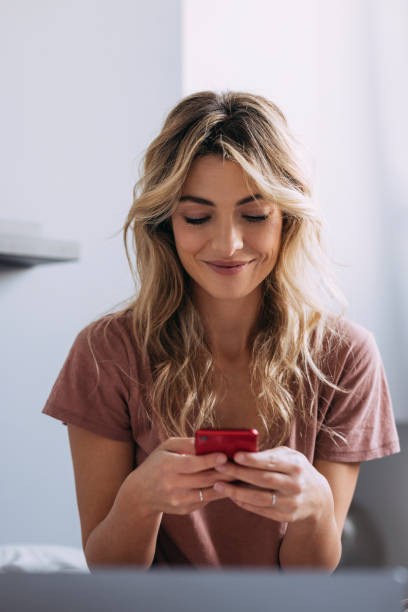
column 296, row 327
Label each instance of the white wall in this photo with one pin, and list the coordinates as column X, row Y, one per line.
column 337, row 70
column 85, row 87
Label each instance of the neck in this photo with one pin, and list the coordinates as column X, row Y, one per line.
column 228, row 324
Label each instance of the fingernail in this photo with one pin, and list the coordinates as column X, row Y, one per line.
column 221, row 468
column 240, row 457
column 219, row 487
column 221, row 459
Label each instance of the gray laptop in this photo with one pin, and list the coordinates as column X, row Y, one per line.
column 179, row 590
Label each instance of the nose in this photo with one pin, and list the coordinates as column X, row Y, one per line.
column 227, row 238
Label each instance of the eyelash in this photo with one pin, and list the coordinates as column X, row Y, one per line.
column 249, row 218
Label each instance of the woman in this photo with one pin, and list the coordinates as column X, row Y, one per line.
column 232, row 327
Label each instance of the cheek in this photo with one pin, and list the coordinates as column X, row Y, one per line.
column 187, row 240
column 191, row 243
column 267, row 244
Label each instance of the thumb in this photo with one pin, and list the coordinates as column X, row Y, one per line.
column 183, row 446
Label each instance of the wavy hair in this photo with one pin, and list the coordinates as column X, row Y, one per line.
column 296, row 326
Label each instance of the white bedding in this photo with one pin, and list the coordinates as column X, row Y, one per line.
column 41, row 558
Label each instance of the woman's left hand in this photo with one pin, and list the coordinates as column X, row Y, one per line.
column 279, row 483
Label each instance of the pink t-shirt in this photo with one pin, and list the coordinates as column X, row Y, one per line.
column 221, row 533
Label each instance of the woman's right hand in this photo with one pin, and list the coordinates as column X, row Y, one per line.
column 171, row 477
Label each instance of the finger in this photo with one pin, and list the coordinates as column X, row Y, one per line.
column 281, row 511
column 280, row 459
column 185, row 446
column 255, row 497
column 204, row 479
column 188, row 501
column 267, row 512
column 188, row 461
column 209, row 494
column 190, row 464
column 261, row 478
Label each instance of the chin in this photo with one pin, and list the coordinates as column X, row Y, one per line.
column 223, row 293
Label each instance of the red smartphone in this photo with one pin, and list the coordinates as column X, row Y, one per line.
column 228, row 441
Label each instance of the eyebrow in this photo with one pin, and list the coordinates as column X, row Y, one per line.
column 257, row 196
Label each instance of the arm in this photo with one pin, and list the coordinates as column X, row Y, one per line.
column 316, row 541
column 286, row 487
column 121, row 508
column 125, row 536
column 115, row 529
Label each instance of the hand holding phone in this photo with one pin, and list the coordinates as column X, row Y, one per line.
column 228, row 441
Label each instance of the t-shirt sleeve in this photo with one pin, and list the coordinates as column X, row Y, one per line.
column 364, row 416
column 92, row 388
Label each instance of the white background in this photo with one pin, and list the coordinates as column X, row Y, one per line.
column 86, row 85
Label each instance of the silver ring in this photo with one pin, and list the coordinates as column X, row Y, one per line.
column 201, row 496
column 273, row 499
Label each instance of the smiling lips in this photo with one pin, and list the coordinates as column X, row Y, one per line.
column 223, row 267
column 228, row 264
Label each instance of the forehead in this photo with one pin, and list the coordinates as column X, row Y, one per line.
column 213, row 173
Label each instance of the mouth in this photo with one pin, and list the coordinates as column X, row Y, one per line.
column 235, row 264
column 228, row 268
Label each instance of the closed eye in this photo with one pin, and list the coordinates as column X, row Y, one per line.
column 195, row 221
column 200, row 220
column 255, row 219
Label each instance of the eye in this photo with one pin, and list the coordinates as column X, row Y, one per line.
column 200, row 220
column 256, row 219
column 196, row 221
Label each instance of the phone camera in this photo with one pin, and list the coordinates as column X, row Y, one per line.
column 203, row 438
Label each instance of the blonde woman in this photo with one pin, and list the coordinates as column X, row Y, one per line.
column 232, row 327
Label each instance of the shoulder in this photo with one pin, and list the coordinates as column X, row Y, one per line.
column 108, row 343
column 347, row 340
column 359, row 406
column 98, row 380
column 108, row 336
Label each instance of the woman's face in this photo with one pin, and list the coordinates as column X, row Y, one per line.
column 217, row 220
